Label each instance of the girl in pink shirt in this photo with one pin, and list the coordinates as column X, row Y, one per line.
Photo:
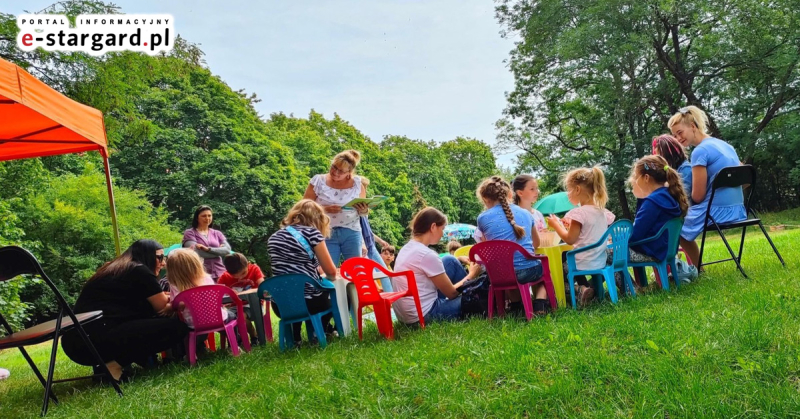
column 586, row 224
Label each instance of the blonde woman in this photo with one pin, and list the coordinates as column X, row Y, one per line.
column 332, row 191
column 709, row 156
column 300, row 248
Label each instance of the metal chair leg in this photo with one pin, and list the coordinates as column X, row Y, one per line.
column 49, row 384
column 775, row 249
column 733, row 255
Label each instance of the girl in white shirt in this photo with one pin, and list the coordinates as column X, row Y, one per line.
column 427, row 229
column 586, row 224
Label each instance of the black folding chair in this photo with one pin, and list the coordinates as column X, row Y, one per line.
column 732, row 177
column 15, row 261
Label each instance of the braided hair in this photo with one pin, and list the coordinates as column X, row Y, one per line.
column 496, row 189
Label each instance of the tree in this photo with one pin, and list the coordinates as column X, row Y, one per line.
column 68, row 220
column 594, row 81
column 470, row 161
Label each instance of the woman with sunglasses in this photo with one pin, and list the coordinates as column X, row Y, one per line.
column 137, row 320
column 209, row 243
column 332, row 191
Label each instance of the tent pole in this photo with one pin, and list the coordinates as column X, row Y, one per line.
column 111, row 204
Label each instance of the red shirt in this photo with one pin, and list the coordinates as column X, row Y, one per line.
column 253, row 275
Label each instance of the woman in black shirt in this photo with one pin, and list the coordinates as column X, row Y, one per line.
column 137, row 319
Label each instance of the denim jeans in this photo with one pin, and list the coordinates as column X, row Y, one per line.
column 444, row 309
column 372, row 254
column 344, row 243
column 454, row 270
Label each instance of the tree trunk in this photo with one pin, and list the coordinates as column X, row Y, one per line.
column 623, row 201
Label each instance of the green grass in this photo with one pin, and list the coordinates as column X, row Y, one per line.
column 721, row 347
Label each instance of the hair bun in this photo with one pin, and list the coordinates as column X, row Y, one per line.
column 356, row 155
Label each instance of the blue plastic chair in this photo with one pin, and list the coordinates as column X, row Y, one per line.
column 287, row 291
column 620, row 233
column 673, row 231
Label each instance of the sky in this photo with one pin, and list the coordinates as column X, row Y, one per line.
column 428, row 70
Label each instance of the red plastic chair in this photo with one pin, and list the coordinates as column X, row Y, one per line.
column 359, row 271
column 205, row 306
column 498, row 258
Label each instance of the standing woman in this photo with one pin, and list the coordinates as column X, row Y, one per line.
column 209, row 243
column 137, row 319
column 710, row 155
column 332, row 191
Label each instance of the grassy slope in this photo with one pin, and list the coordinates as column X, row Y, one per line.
column 722, row 347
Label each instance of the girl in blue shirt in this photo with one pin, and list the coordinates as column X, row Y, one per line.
column 505, row 221
column 709, row 156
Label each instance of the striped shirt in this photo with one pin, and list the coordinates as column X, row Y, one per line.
column 288, row 256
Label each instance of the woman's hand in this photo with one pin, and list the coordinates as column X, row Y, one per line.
column 332, row 209
column 475, row 269
column 202, row 247
column 362, row 208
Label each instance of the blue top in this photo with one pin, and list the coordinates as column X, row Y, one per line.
column 685, row 170
column 495, row 226
column 654, row 211
column 366, row 233
column 715, row 154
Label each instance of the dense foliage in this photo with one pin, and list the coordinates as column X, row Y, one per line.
column 596, row 80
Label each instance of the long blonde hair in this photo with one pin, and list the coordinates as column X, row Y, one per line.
column 184, row 269
column 593, row 180
column 660, row 171
column 308, row 213
column 498, row 190
column 690, row 115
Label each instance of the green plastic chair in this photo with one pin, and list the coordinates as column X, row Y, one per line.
column 288, row 292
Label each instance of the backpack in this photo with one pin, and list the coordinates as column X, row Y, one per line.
column 686, row 273
column 475, row 297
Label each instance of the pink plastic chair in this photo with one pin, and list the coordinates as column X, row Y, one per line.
column 498, row 258
column 205, row 306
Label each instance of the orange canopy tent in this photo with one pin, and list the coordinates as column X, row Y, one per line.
column 37, row 121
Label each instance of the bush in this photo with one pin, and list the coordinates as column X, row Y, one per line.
column 72, row 223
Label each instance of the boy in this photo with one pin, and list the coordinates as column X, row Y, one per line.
column 240, row 273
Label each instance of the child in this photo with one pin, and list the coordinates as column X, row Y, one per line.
column 186, row 271
column 299, row 248
column 387, row 254
column 454, row 245
column 585, row 224
column 240, row 273
column 504, row 221
column 673, row 152
column 526, row 192
column 661, row 198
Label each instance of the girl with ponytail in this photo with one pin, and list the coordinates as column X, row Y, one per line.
column 505, row 221
column 586, row 224
column 661, row 198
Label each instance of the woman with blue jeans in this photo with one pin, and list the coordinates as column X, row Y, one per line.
column 332, row 191
column 427, row 229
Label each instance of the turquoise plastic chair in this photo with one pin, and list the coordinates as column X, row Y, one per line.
column 287, row 291
column 673, row 231
column 620, row 233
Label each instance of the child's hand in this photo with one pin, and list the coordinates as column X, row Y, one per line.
column 553, row 220
column 475, row 270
